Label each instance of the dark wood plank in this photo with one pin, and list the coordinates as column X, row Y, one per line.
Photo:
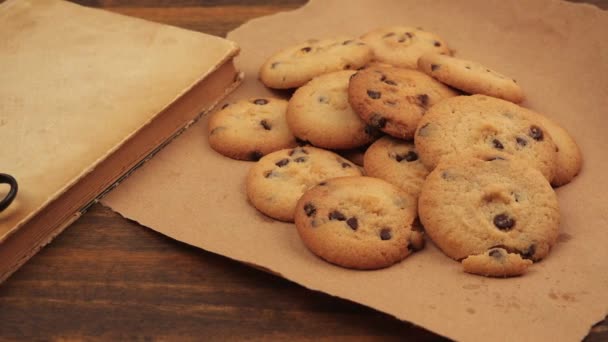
column 108, row 278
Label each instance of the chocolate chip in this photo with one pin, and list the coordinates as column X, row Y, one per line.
column 410, row 156
column 387, row 81
column 437, row 44
column 385, row 234
column 353, row 223
column 297, row 150
column 468, row 67
column 435, row 67
column 309, row 209
column 306, row 49
column 336, row 215
column 496, row 253
column 529, row 252
column 323, row 183
column 282, row 162
column 378, row 121
column 503, row 222
column 347, row 66
column 521, row 141
column 300, row 159
column 346, row 165
column 266, row 125
column 423, row 100
column 323, row 99
column 225, row 105
column 274, row 65
column 346, row 42
column 255, row 155
column 497, row 144
column 260, row 102
column 488, row 70
column 536, row 133
column 374, row 94
column 390, row 34
column 556, row 148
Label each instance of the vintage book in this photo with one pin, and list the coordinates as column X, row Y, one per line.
column 86, row 96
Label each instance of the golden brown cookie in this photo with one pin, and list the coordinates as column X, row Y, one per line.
column 484, row 124
column 394, row 99
column 470, row 77
column 396, row 161
column 402, row 45
column 474, row 203
column 276, row 182
column 294, row 66
column 319, row 113
column 358, row 222
column 250, row 129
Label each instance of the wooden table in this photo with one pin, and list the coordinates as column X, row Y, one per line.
column 109, row 278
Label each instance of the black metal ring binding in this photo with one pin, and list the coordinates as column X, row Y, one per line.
column 8, row 199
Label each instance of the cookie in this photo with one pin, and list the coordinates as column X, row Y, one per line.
column 296, row 65
column 474, row 203
column 394, row 99
column 276, row 182
column 250, row 129
column 319, row 113
column 484, row 124
column 569, row 159
column 496, row 262
column 470, row 77
column 396, row 161
column 402, row 46
column 358, row 222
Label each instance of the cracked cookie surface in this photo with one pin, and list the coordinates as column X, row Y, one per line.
column 358, row 222
column 275, row 183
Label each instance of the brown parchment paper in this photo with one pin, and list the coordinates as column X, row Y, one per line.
column 557, row 51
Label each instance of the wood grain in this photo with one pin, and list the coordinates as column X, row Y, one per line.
column 108, row 278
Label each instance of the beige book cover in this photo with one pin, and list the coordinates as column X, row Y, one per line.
column 85, row 95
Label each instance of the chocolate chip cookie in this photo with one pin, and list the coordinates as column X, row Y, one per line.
column 358, row 222
column 470, row 77
column 473, row 204
column 298, row 64
column 250, row 129
column 394, row 99
column 569, row 159
column 402, row 46
column 319, row 113
column 396, row 161
column 276, row 182
column 484, row 124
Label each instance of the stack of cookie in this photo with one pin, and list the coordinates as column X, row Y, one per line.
column 389, row 131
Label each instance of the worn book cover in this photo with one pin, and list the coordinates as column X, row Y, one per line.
column 85, row 96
